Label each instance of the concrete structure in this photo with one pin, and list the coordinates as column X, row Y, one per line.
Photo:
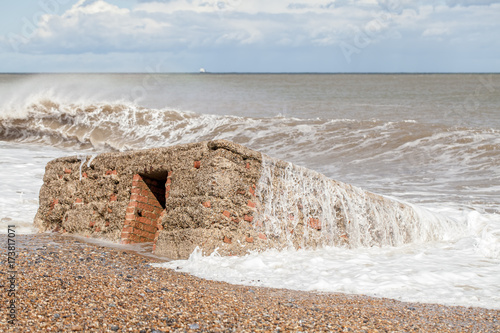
column 180, row 197
column 214, row 194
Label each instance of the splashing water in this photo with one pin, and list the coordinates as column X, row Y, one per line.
column 303, row 208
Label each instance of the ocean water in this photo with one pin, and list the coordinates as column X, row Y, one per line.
column 429, row 140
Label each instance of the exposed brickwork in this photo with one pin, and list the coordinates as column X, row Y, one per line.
column 147, row 202
column 314, row 223
column 121, row 196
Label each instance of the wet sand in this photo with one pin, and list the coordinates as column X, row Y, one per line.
column 65, row 284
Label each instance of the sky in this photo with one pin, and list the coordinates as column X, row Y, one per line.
column 250, row 36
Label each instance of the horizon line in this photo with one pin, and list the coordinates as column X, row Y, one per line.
column 208, row 72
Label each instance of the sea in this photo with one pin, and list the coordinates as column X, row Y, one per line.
column 431, row 140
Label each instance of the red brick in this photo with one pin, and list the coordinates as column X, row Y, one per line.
column 67, row 170
column 167, row 195
column 142, row 219
column 251, row 204
column 158, row 210
column 143, row 206
column 249, row 239
column 197, row 164
column 206, row 204
column 137, row 177
column 128, row 223
column 248, row 218
column 128, row 229
column 153, row 201
column 314, row 223
column 130, row 209
column 227, row 240
column 262, row 236
column 169, row 181
column 126, row 241
column 135, row 190
column 170, row 174
column 226, row 213
column 150, row 215
column 84, row 175
column 247, row 166
column 150, row 228
column 130, row 216
column 167, row 188
column 134, row 197
column 113, row 197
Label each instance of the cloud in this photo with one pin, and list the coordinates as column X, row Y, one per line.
column 467, row 3
column 198, row 26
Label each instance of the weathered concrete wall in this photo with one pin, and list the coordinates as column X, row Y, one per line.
column 215, row 194
column 208, row 197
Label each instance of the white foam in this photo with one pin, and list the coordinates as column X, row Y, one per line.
column 21, row 174
column 444, row 272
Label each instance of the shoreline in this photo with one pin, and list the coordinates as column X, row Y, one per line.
column 65, row 283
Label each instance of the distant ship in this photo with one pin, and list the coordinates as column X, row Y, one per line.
column 202, row 70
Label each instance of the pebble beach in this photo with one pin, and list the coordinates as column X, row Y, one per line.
column 65, row 284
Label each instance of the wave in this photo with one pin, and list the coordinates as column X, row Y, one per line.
column 124, row 126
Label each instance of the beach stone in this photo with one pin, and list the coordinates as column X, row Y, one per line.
column 211, row 195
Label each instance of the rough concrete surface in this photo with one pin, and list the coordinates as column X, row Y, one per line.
column 215, row 195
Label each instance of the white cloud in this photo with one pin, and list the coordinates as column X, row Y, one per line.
column 100, row 27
